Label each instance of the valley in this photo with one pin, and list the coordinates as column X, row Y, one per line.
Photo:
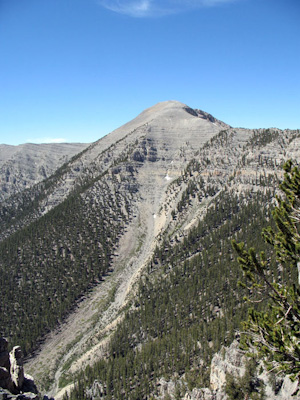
column 123, row 246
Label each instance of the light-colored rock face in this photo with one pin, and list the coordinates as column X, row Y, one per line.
column 168, row 137
column 16, row 367
column 225, row 362
column 168, row 126
column 233, row 361
column 25, row 165
column 229, row 361
column 203, row 394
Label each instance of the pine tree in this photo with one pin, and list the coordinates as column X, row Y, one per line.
column 275, row 333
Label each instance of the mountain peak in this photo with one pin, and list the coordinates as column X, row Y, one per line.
column 176, row 110
column 165, row 106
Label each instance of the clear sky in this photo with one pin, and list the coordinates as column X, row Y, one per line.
column 74, row 70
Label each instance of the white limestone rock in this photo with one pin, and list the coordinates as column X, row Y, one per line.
column 230, row 361
column 16, row 367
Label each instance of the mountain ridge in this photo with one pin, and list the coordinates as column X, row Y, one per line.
column 24, row 165
column 125, row 196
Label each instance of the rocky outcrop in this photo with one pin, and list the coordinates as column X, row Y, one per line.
column 229, row 362
column 16, row 367
column 203, row 394
column 6, row 381
column 97, row 390
column 14, row 383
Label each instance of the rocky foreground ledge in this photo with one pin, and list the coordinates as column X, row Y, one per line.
column 14, row 383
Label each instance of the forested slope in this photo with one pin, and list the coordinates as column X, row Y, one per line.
column 188, row 305
column 48, row 265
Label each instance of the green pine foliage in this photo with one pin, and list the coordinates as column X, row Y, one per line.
column 187, row 307
column 46, row 267
column 249, row 386
column 275, row 332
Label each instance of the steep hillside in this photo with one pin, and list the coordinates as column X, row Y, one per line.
column 121, row 250
column 161, row 139
column 188, row 303
column 186, row 307
column 25, row 165
column 69, row 225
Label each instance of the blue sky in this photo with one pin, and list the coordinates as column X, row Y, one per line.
column 74, row 70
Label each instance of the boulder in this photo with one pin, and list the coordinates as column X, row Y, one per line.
column 14, row 384
column 16, row 367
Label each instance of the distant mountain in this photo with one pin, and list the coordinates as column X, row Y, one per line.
column 27, row 164
column 122, row 256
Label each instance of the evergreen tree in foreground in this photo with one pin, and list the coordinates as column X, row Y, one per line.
column 276, row 333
